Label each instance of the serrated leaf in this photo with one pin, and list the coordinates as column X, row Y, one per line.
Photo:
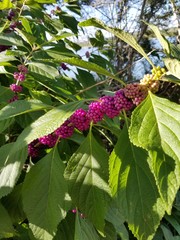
column 47, row 123
column 5, row 58
column 84, row 230
column 124, row 36
column 134, row 188
column 167, row 176
column 21, row 107
column 164, row 43
column 6, row 227
column 45, row 197
column 156, row 124
column 173, row 65
column 6, row 4
column 87, row 173
column 11, row 164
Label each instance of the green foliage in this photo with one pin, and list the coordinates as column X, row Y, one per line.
column 114, row 178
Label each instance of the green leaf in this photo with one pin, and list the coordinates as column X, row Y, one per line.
column 42, row 69
column 170, row 78
column 45, row 197
column 5, row 124
column 11, row 165
column 21, row 107
column 87, row 173
column 47, row 123
column 66, row 228
column 13, row 204
column 27, row 37
column 115, row 217
column 164, row 43
column 124, row 36
column 156, row 124
column 5, row 4
column 134, row 188
column 6, row 228
column 173, row 65
column 167, row 177
column 84, row 64
column 4, row 58
column 10, row 39
column 5, row 94
column 84, row 230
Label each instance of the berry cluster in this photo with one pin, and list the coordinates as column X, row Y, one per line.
column 19, row 77
column 124, row 99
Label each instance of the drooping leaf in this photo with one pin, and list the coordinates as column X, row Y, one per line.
column 87, row 173
column 46, row 124
column 11, row 165
column 134, row 188
column 27, row 37
column 21, row 107
column 167, row 176
column 45, row 197
column 156, row 124
column 164, row 43
column 5, row 124
column 6, row 227
column 124, row 36
column 173, row 65
column 84, row 230
column 10, row 39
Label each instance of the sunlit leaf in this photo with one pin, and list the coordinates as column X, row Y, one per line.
column 173, row 65
column 124, row 36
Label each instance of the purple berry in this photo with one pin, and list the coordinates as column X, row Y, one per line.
column 23, row 69
column 87, row 54
column 64, row 67
column 95, row 113
column 121, row 102
column 19, row 76
column 16, row 88
column 11, row 14
column 3, row 48
column 80, row 119
column 33, row 150
column 108, row 106
column 65, row 130
column 13, row 99
column 49, row 140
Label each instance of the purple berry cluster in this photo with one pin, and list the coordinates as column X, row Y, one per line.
column 124, row 99
column 19, row 77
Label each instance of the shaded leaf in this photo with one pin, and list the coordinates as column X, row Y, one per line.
column 45, row 197
column 6, row 227
column 84, row 230
column 167, row 176
column 87, row 173
column 134, row 188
